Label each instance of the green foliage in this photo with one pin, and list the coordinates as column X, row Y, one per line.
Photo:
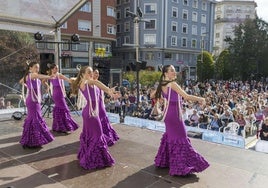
column 248, row 49
column 147, row 78
column 15, row 48
column 205, row 66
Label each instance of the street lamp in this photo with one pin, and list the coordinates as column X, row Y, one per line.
column 202, row 51
column 137, row 18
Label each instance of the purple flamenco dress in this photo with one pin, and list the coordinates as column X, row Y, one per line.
column 108, row 131
column 62, row 120
column 93, row 151
column 35, row 130
column 176, row 151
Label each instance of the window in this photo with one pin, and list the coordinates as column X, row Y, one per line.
column 149, row 56
column 185, row 2
column 184, row 28
column 118, row 28
column 168, row 55
column 195, row 4
column 184, row 42
column 84, row 25
column 194, row 30
column 175, row 1
column 65, row 45
column 110, row 11
column 111, row 29
column 50, row 46
column 185, row 14
column 126, row 12
column 103, row 45
column 82, row 47
column 118, row 15
column 127, row 27
column 150, row 25
column 150, row 8
column 203, row 30
column 118, row 42
column 194, row 43
column 118, row 2
column 194, row 16
column 174, row 26
column 204, row 6
column 127, row 40
column 149, row 39
column 203, row 18
column 173, row 40
column 217, row 35
column 86, row 7
column 174, row 12
column 64, row 26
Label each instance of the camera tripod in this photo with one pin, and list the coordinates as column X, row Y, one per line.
column 48, row 104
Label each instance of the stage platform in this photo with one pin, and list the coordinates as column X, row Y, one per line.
column 56, row 165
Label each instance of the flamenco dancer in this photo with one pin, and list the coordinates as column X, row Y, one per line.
column 108, row 131
column 176, row 151
column 62, row 120
column 35, row 130
column 93, row 151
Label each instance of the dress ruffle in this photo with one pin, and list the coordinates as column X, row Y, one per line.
column 62, row 120
column 110, row 135
column 179, row 156
column 35, row 132
column 93, row 153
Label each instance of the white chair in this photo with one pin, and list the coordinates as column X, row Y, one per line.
column 231, row 128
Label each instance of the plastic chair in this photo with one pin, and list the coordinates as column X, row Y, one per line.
column 231, row 128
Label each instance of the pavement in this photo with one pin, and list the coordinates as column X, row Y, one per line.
column 55, row 165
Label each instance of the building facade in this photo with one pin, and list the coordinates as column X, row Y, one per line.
column 228, row 14
column 95, row 23
column 169, row 32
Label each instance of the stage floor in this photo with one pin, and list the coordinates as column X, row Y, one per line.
column 56, row 165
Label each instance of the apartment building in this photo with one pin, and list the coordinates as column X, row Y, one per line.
column 170, row 32
column 228, row 14
column 95, row 23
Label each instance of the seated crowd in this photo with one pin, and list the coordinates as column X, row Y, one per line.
column 242, row 102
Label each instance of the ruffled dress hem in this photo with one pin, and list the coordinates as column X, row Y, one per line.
column 62, row 121
column 179, row 156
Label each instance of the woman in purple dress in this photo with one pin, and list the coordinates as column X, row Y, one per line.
column 176, row 151
column 93, row 151
column 108, row 131
column 62, row 120
column 35, row 130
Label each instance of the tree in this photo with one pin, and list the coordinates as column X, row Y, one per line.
column 15, row 49
column 248, row 48
column 205, row 66
column 147, row 78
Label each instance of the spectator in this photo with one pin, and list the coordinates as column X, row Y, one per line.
column 9, row 105
column 193, row 119
column 241, row 121
column 215, row 123
column 203, row 120
column 264, row 130
column 2, row 103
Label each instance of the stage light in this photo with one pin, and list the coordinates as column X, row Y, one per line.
column 38, row 36
column 75, row 38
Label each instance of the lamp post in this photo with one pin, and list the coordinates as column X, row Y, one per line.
column 202, row 51
column 137, row 18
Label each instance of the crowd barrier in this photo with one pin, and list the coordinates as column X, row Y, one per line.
column 207, row 135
